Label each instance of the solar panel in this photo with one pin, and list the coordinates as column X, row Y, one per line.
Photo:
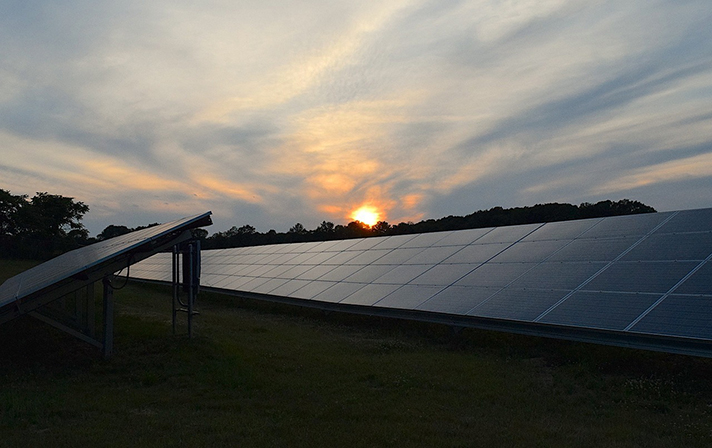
column 443, row 274
column 338, row 292
column 607, row 310
column 408, row 296
column 517, row 304
column 73, row 270
column 457, row 300
column 679, row 315
column 639, row 280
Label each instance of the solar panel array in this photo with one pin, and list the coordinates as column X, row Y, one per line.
column 647, row 274
column 78, row 261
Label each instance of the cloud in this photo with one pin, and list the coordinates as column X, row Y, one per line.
column 675, row 170
column 272, row 113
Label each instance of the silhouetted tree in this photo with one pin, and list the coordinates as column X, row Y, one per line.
column 52, row 215
column 112, row 231
column 325, row 228
column 381, row 228
column 297, row 228
column 611, row 208
column 199, row 234
column 41, row 227
column 153, row 224
column 356, row 229
column 10, row 205
column 246, row 230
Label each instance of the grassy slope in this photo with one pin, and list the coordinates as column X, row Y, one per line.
column 268, row 375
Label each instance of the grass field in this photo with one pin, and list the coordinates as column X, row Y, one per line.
column 260, row 374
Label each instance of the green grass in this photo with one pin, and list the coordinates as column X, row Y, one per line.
column 260, row 374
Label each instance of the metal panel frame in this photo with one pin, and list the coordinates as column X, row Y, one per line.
column 91, row 270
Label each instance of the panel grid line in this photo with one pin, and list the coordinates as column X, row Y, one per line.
column 665, row 296
column 483, row 263
column 603, row 269
column 476, row 267
column 533, row 267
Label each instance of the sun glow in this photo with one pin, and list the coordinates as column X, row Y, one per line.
column 367, row 215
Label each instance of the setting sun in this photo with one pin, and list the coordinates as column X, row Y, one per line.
column 367, row 215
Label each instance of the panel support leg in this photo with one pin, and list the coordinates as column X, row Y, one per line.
column 186, row 278
column 108, row 345
column 176, row 284
column 191, row 288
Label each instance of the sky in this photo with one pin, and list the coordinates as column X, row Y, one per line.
column 270, row 113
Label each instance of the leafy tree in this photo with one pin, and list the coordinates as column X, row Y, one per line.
column 52, row 215
column 112, row 231
column 246, row 230
column 10, row 205
column 355, row 229
column 199, row 234
column 325, row 227
column 231, row 232
column 381, row 228
column 611, row 208
column 245, row 235
column 298, row 229
column 153, row 224
column 41, row 227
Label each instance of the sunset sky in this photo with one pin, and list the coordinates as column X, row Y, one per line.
column 270, row 112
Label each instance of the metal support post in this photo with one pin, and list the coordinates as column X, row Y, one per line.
column 186, row 275
column 108, row 345
column 191, row 287
column 176, row 284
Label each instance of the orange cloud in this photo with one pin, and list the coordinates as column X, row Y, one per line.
column 331, row 183
column 333, row 210
column 112, row 174
column 228, row 188
column 412, row 201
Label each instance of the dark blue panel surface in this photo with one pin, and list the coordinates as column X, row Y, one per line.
column 627, row 225
column 678, row 315
column 611, row 311
column 518, row 304
column 692, row 246
column 370, row 294
column 408, row 296
column 443, row 274
column 558, row 275
column 457, row 299
column 689, row 221
column 653, row 277
column 698, row 283
column 595, row 249
column 339, row 292
column 495, row 274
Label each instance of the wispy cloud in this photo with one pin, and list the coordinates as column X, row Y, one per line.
column 271, row 113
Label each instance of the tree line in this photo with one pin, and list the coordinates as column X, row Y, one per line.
column 47, row 225
column 247, row 235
